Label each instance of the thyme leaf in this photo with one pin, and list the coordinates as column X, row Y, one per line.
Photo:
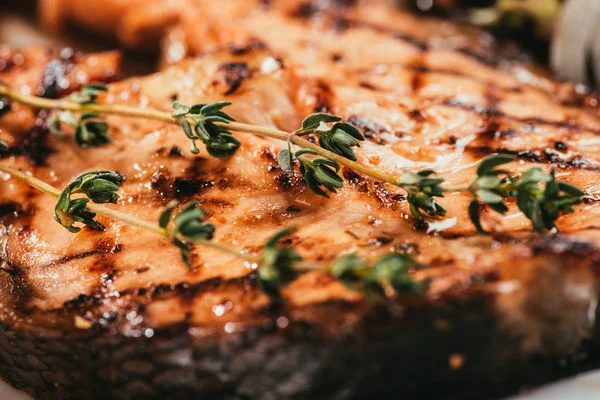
column 89, row 93
column 539, row 196
column 393, row 270
column 91, row 128
column 319, row 172
column 276, row 265
column 97, row 186
column 219, row 142
column 422, row 188
column 188, row 227
column 339, row 138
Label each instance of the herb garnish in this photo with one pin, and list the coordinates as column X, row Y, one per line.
column 189, row 227
column 539, row 196
column 320, row 164
column 392, row 270
column 97, row 186
column 219, row 142
column 90, row 129
column 276, row 265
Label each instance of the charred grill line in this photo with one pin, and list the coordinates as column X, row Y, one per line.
column 33, row 144
column 54, row 72
column 234, row 74
column 308, row 11
column 538, row 156
column 492, row 111
column 80, row 256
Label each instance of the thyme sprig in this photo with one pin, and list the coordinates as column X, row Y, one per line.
column 320, row 163
column 97, row 186
column 319, row 171
column 189, row 227
column 219, row 142
column 539, row 196
column 277, row 265
column 339, row 138
column 392, row 270
column 422, row 188
column 91, row 128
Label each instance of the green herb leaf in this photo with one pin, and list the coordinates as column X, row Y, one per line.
column 189, row 223
column 89, row 93
column 98, row 186
column 570, row 189
column 185, row 250
column 3, row 146
column 91, row 131
column 491, row 162
column 338, row 139
column 189, row 227
column 165, row 216
column 180, row 109
column 61, row 117
column 313, row 121
column 284, row 159
column 474, row 216
column 544, row 206
column 422, row 187
column 220, row 143
column 276, row 265
column 393, row 269
column 350, row 270
column 319, row 172
column 488, row 197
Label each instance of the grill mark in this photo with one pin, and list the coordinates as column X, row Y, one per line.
column 492, row 111
column 310, row 9
column 54, row 71
column 559, row 244
column 103, row 249
column 367, row 85
column 323, row 97
column 32, row 145
column 186, row 188
column 159, row 291
column 417, row 80
column 23, row 290
column 251, row 45
column 492, row 57
column 370, row 129
column 425, row 70
column 8, row 208
column 234, row 74
column 539, row 156
column 141, row 296
column 491, row 126
column 377, row 190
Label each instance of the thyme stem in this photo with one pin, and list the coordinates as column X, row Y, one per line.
column 122, row 217
column 135, row 112
column 207, row 123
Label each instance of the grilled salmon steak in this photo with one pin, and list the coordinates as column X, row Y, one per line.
column 115, row 313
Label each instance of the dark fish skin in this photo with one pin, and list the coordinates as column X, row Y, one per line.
column 453, row 348
column 114, row 314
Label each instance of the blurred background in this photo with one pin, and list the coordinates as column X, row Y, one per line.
column 557, row 33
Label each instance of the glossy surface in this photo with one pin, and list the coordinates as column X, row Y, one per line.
column 426, row 93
